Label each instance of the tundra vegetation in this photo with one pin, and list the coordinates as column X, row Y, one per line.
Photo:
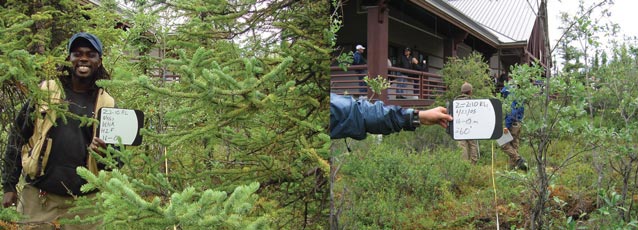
column 240, row 141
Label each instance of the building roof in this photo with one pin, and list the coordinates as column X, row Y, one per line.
column 443, row 9
column 94, row 2
column 510, row 21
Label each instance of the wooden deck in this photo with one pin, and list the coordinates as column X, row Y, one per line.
column 409, row 88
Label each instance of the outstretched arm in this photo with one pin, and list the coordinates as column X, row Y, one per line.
column 354, row 119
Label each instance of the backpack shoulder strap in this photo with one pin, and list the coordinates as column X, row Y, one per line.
column 33, row 163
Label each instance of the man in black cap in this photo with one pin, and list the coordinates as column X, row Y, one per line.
column 48, row 153
column 407, row 61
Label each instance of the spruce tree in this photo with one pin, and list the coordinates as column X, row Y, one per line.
column 235, row 95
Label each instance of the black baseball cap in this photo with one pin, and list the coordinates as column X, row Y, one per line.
column 95, row 42
column 407, row 48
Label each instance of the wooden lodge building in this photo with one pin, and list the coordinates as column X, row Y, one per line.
column 505, row 32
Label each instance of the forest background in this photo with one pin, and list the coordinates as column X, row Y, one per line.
column 240, row 141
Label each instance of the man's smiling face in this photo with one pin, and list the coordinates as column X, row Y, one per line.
column 85, row 60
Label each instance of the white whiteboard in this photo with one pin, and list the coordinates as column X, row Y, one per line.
column 476, row 119
column 120, row 123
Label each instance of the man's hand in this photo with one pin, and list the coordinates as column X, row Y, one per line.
column 433, row 116
column 96, row 144
column 9, row 199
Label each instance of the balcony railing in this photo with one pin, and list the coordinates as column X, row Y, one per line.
column 407, row 87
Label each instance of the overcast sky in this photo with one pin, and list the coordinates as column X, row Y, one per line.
column 623, row 12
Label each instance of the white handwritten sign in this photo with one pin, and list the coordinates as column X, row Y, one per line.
column 476, row 119
column 120, row 123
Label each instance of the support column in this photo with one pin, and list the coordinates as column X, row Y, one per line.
column 450, row 44
column 449, row 49
column 378, row 45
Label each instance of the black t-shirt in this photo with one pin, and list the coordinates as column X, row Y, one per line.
column 405, row 62
column 69, row 146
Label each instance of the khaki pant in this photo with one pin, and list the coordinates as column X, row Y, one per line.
column 45, row 211
column 470, row 150
column 511, row 148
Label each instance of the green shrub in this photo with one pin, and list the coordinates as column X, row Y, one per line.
column 472, row 69
column 389, row 187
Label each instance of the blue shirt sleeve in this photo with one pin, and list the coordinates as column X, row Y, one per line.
column 517, row 110
column 354, row 119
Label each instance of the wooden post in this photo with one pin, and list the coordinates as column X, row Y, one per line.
column 378, row 45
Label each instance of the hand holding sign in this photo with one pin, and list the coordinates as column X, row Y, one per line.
column 97, row 144
column 476, row 119
column 435, row 116
column 120, row 123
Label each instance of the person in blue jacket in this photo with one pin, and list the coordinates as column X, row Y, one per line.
column 513, row 125
column 355, row 118
column 358, row 59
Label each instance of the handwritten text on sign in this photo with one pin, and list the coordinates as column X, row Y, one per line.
column 473, row 119
column 116, row 123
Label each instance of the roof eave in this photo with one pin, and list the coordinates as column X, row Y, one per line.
column 513, row 44
column 441, row 9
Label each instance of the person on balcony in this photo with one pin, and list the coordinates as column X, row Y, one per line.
column 423, row 67
column 470, row 147
column 358, row 56
column 355, row 118
column 407, row 61
column 358, row 59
